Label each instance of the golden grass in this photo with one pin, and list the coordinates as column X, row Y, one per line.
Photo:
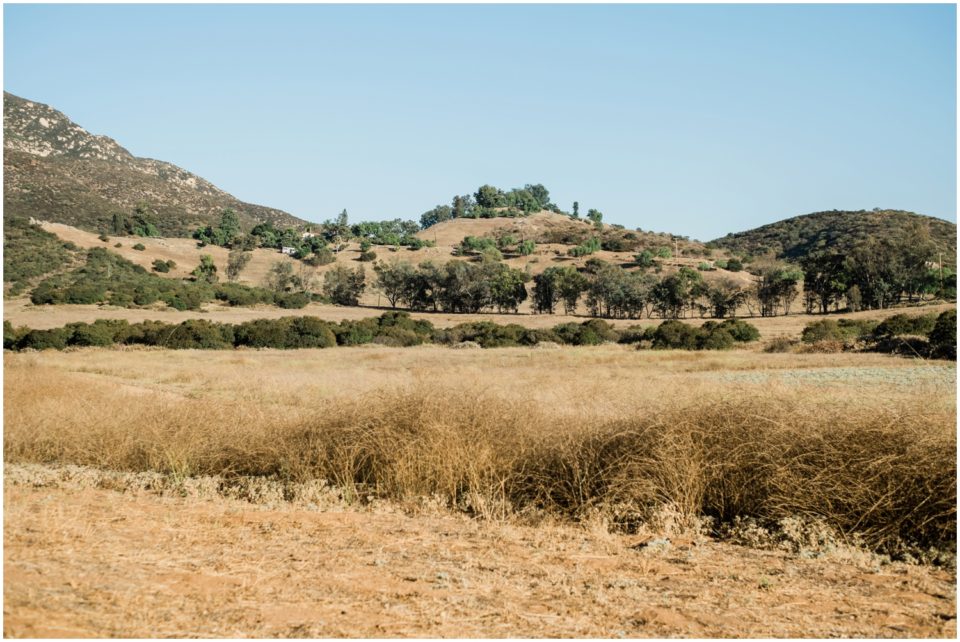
column 573, row 432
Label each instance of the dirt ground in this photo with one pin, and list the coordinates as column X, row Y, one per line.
column 81, row 560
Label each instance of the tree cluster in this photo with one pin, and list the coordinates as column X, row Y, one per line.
column 456, row 286
column 491, row 202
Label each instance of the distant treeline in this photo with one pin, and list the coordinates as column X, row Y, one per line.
column 390, row 329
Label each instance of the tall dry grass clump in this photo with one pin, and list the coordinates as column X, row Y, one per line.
column 883, row 470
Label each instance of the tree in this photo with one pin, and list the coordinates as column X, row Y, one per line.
column 396, row 280
column 229, row 227
column 546, row 292
column 237, row 259
column 488, row 196
column 597, row 217
column 522, row 200
column 775, row 288
column 570, row 285
column 507, row 286
column 206, row 272
column 576, row 209
column 344, row 286
column 825, row 278
column 438, row 214
column 281, row 278
column 463, row 206
column 725, row 297
column 540, row 193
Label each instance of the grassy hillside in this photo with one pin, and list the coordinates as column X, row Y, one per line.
column 794, row 238
column 55, row 170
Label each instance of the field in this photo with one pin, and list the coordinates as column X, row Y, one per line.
column 507, row 492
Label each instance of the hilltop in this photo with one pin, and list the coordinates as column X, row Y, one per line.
column 796, row 237
column 56, row 170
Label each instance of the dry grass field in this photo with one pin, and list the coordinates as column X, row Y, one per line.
column 511, row 492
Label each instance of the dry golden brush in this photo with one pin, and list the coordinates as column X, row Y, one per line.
column 885, row 469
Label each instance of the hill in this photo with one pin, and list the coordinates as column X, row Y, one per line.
column 57, row 171
column 795, row 238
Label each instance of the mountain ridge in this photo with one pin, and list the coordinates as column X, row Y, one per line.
column 56, row 170
column 798, row 236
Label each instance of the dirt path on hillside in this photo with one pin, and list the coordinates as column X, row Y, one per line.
column 83, row 561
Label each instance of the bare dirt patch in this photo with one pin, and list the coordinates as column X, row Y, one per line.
column 93, row 562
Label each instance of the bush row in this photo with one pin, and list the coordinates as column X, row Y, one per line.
column 928, row 335
column 395, row 328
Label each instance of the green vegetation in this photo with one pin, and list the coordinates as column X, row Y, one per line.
column 491, row 202
column 30, row 252
column 457, row 286
column 586, row 248
column 927, row 335
column 395, row 328
column 140, row 223
column 159, row 265
column 839, row 231
column 108, row 278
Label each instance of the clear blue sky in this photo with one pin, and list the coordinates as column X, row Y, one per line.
column 698, row 120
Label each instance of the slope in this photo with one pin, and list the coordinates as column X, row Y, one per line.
column 55, row 170
column 796, row 237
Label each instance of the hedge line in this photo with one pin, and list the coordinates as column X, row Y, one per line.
column 928, row 335
column 395, row 328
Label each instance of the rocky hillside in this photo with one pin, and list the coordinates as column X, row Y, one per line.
column 796, row 237
column 55, row 170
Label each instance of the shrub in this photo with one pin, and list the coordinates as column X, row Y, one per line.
column 397, row 337
column 55, row 339
column 714, row 338
column 367, row 256
column 200, row 334
column 310, row 332
column 160, row 266
column 292, row 300
column 943, row 337
column 780, row 344
column 636, row 334
column 84, row 293
column 844, row 330
column 741, row 330
column 323, row 256
column 95, row 334
column 354, row 333
column 675, row 335
column 104, row 238
column 901, row 324
column 263, row 333
column 734, row 265
column 118, row 245
column 12, row 336
column 241, row 295
column 588, row 333
column 140, row 247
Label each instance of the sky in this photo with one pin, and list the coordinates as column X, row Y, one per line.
column 694, row 119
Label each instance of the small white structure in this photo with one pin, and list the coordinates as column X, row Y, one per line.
column 289, row 251
column 307, row 235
